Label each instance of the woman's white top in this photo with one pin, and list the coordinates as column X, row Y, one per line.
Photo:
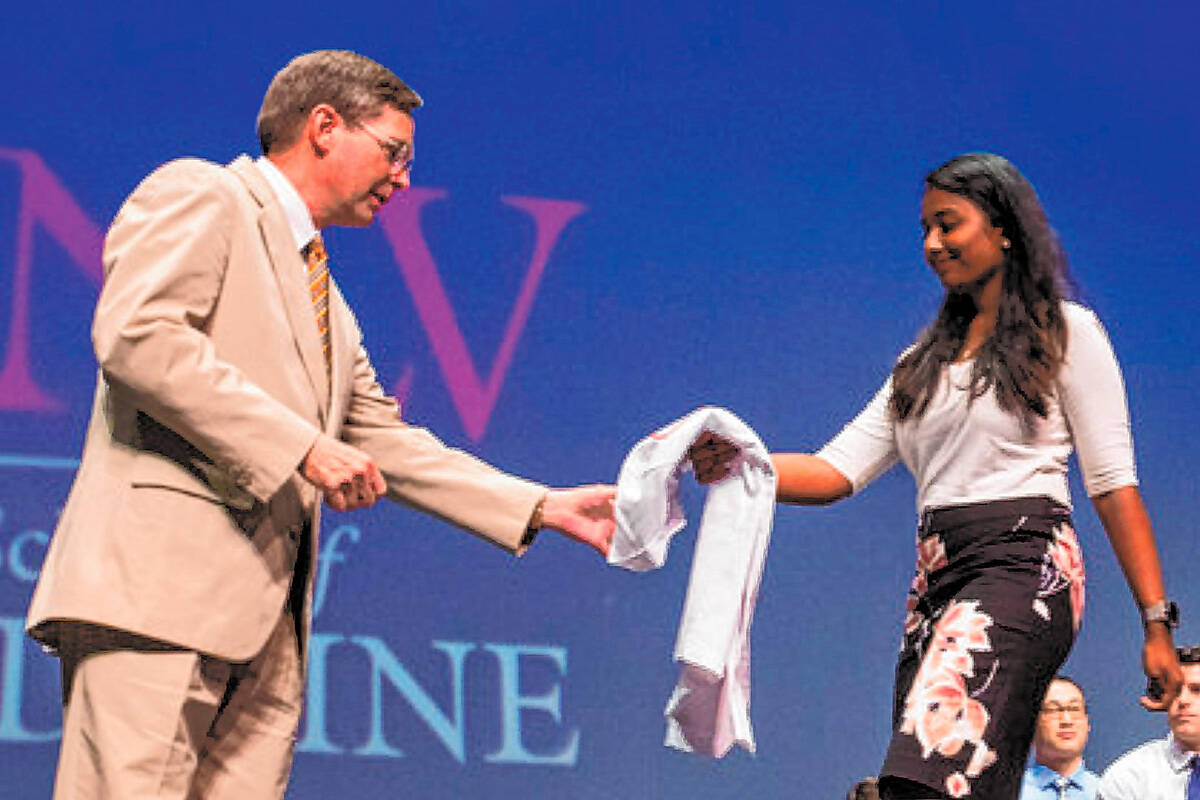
column 964, row 451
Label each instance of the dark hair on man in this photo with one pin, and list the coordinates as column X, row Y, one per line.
column 356, row 86
column 1073, row 682
column 1188, row 654
column 1022, row 356
column 866, row 789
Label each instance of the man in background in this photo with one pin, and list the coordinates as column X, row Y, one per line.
column 1164, row 769
column 1058, row 771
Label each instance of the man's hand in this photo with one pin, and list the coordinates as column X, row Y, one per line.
column 347, row 476
column 584, row 514
column 1162, row 668
column 712, row 457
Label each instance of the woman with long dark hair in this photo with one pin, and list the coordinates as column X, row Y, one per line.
column 984, row 409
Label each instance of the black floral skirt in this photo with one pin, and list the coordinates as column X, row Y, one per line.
column 992, row 613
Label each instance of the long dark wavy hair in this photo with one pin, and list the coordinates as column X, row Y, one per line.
column 1022, row 356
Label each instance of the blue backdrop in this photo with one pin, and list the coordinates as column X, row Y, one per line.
column 708, row 204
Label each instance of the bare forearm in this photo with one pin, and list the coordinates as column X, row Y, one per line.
column 805, row 479
column 1127, row 524
column 1128, row 527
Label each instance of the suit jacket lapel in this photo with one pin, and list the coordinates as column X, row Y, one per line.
column 290, row 274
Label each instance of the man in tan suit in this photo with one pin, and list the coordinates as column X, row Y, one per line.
column 233, row 396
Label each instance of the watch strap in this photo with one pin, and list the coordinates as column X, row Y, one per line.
column 1164, row 611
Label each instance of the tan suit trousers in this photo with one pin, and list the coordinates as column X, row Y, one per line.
column 145, row 719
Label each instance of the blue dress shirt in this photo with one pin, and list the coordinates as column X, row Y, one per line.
column 1039, row 784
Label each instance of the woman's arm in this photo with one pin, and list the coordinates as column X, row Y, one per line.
column 801, row 478
column 1128, row 527
column 864, row 450
column 1092, row 393
column 808, row 480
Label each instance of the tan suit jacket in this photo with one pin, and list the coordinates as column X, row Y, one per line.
column 187, row 515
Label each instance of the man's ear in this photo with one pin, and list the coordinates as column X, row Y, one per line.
column 321, row 127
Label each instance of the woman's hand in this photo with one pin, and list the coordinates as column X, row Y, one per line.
column 1162, row 668
column 712, row 457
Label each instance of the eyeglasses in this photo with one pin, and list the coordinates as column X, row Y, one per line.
column 1054, row 710
column 398, row 153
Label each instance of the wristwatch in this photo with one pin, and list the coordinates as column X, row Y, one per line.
column 1164, row 611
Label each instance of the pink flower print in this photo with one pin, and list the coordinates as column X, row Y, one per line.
column 943, row 716
column 939, row 711
column 949, row 660
column 912, row 617
column 962, row 628
column 981, row 759
column 931, row 554
column 957, row 785
column 1068, row 560
column 920, row 584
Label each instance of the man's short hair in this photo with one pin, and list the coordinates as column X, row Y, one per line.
column 1188, row 654
column 1068, row 679
column 356, row 86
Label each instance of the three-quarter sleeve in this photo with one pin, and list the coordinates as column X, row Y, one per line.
column 866, row 447
column 1092, row 394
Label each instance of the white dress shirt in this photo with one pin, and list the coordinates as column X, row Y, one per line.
column 299, row 219
column 1156, row 770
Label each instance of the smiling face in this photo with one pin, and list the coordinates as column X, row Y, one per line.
column 1184, row 714
column 364, row 167
column 961, row 244
column 1062, row 725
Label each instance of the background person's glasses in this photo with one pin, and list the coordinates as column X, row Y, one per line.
column 1054, row 709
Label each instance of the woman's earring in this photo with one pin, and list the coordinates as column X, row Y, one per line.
column 1005, row 243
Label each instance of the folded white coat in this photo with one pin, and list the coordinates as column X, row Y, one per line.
column 709, row 711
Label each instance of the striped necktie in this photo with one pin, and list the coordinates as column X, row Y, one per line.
column 317, row 260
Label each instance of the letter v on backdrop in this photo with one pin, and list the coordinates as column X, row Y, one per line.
column 473, row 397
column 44, row 201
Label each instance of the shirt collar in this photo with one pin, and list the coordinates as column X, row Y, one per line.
column 1177, row 757
column 1045, row 778
column 299, row 221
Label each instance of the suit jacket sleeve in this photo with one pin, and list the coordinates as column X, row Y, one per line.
column 424, row 473
column 165, row 258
